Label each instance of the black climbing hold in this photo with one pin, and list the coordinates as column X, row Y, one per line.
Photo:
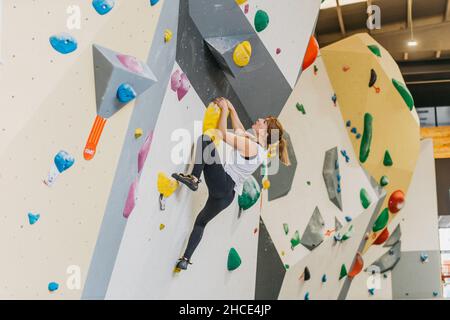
column 373, row 78
column 306, row 274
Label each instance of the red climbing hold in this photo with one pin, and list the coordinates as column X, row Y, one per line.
column 357, row 266
column 311, row 53
column 382, row 237
column 345, row 68
column 396, row 201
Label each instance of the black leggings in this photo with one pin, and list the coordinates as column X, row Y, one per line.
column 220, row 188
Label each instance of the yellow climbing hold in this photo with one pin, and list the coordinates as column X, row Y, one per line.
column 162, row 226
column 166, row 186
column 272, row 150
column 266, row 184
column 239, row 2
column 211, row 122
column 168, row 35
column 242, row 54
column 138, row 133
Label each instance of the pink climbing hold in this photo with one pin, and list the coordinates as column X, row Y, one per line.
column 179, row 83
column 184, row 88
column 246, row 8
column 278, row 51
column 131, row 63
column 143, row 153
column 175, row 80
column 131, row 199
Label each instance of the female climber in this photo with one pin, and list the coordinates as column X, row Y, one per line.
column 224, row 180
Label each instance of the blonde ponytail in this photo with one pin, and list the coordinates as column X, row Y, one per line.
column 283, row 152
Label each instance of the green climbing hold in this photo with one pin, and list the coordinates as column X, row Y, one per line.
column 381, row 221
column 286, row 228
column 261, row 20
column 404, row 92
column 366, row 138
column 387, row 161
column 286, row 266
column 365, row 198
column 234, row 260
column 250, row 194
column 295, row 241
column 375, row 50
column 300, row 108
column 348, row 234
column 343, row 272
column 384, row 181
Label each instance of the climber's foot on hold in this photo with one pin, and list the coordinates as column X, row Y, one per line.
column 182, row 265
column 189, row 180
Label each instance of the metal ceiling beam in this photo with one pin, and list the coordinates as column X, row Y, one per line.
column 369, row 3
column 340, row 18
column 409, row 14
column 395, row 40
column 447, row 11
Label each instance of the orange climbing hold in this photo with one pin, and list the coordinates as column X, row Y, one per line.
column 382, row 237
column 94, row 138
column 357, row 266
column 311, row 53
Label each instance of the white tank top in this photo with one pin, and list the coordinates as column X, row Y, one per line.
column 240, row 168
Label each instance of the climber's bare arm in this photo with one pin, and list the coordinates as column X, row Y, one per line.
column 235, row 121
column 246, row 146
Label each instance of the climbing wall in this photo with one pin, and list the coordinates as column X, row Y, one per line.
column 379, row 109
column 62, row 96
column 417, row 273
column 307, row 112
column 100, row 116
column 153, row 239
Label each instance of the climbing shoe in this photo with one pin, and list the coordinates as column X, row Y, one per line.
column 189, row 180
column 182, row 265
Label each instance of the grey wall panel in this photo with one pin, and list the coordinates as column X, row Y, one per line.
column 270, row 270
column 412, row 279
column 258, row 91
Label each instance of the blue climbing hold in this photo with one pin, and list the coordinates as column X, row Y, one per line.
column 353, row 130
column 338, row 189
column 53, row 286
column 307, row 296
column 64, row 43
column 63, row 161
column 33, row 218
column 349, row 123
column 125, row 93
column 103, row 6
column 372, row 291
column 435, row 293
column 324, row 278
column 154, row 2
column 423, row 257
column 348, row 218
column 358, row 136
column 337, row 237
